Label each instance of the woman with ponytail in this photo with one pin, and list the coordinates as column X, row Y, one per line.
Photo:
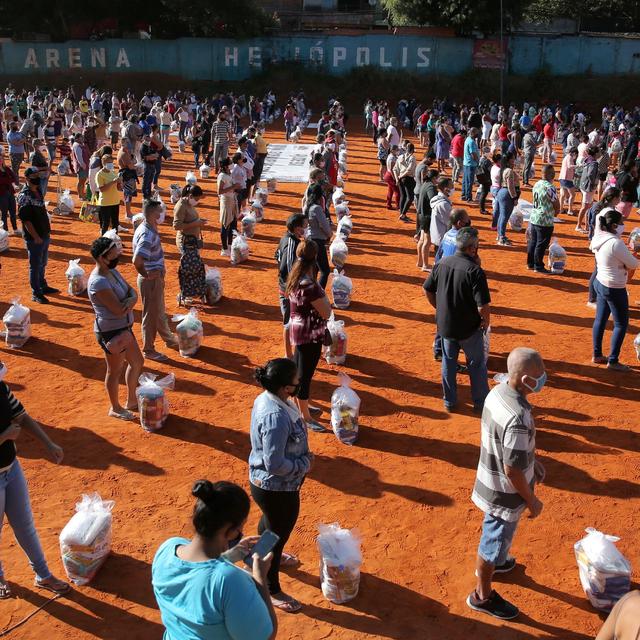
column 201, row 594
column 310, row 310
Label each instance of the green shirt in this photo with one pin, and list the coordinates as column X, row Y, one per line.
column 544, row 195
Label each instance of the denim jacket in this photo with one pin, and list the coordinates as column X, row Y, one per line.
column 279, row 458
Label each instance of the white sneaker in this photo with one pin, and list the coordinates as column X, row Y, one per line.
column 225, row 253
column 121, row 229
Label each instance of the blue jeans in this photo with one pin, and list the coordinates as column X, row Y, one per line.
column 8, row 210
column 614, row 302
column 502, row 210
column 592, row 284
column 14, row 502
column 473, row 348
column 496, row 539
column 147, row 179
column 538, row 245
column 38, row 258
column 468, row 176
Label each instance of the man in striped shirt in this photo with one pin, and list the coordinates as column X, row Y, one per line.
column 507, row 474
column 221, row 135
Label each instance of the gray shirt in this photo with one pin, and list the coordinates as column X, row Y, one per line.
column 319, row 225
column 105, row 319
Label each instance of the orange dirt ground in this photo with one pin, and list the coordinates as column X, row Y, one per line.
column 406, row 483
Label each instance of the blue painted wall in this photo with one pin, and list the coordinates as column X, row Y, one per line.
column 220, row 59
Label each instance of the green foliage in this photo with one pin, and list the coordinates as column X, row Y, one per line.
column 547, row 10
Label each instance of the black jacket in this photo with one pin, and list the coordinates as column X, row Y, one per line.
column 285, row 255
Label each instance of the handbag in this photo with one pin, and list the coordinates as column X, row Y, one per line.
column 88, row 212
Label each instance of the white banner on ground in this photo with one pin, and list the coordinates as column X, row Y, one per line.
column 287, row 162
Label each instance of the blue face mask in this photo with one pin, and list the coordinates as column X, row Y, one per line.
column 540, row 382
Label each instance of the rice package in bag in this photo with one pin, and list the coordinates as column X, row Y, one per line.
column 605, row 573
column 342, row 211
column 190, row 178
column 181, row 146
column 137, row 220
column 249, row 225
column 272, row 185
column 345, row 411
column 115, row 237
column 257, row 210
column 262, row 195
column 17, row 322
column 557, row 257
column 634, row 240
column 636, row 346
column 338, row 197
column 239, row 250
column 205, row 171
column 342, row 155
column 340, row 561
column 4, row 240
column 66, row 205
column 338, row 252
column 213, row 278
column 336, row 353
column 64, row 168
column 152, row 400
column 516, row 220
column 176, row 193
column 345, row 226
column 85, row 541
column 341, row 288
column 76, row 278
column 189, row 331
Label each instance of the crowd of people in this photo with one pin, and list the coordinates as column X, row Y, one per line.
column 108, row 141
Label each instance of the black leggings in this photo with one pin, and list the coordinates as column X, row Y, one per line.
column 323, row 262
column 306, row 357
column 486, row 188
column 407, row 185
column 280, row 511
column 226, row 236
column 108, row 217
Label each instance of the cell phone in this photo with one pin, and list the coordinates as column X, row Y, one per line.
column 265, row 544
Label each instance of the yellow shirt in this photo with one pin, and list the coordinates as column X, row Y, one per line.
column 111, row 196
column 261, row 145
column 84, row 106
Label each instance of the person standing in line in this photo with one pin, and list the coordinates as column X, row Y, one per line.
column 470, row 164
column 567, row 186
column 588, row 185
column 8, row 180
column 529, row 148
column 149, row 157
column 81, row 157
column 506, row 198
column 457, row 154
column 457, row 289
column 109, row 183
column 394, row 137
column 440, row 207
column 227, row 190
column 148, row 259
column 16, row 140
column 545, row 206
column 37, row 234
column 507, row 474
column 221, row 134
column 405, row 168
column 319, row 228
column 428, row 191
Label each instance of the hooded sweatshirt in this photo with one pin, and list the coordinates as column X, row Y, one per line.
column 440, row 213
column 613, row 259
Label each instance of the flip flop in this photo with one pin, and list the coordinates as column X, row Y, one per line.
column 288, row 560
column 290, row 605
column 124, row 415
column 5, row 591
column 58, row 586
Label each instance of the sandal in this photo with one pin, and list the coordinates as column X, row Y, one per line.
column 288, row 560
column 125, row 414
column 53, row 584
column 5, row 590
column 286, row 604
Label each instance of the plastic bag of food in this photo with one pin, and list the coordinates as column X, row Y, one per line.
column 345, row 410
column 340, row 561
column 76, row 278
column 17, row 322
column 605, row 573
column 137, row 220
column 115, row 237
column 345, row 226
column 342, row 210
column 486, row 341
column 249, row 225
column 89, row 212
column 189, row 331
column 213, row 279
column 66, row 204
column 205, row 171
column 516, row 219
column 262, row 195
column 336, row 353
column 176, row 193
column 4, row 240
column 636, row 345
column 557, row 257
column 634, row 240
column 191, row 178
column 338, row 197
column 181, row 146
column 341, row 289
column 272, row 185
column 342, row 155
column 85, row 541
column 339, row 252
column 64, row 168
column 257, row 209
column 152, row 400
column 239, row 250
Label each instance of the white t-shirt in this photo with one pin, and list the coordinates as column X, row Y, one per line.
column 582, row 153
column 614, row 260
column 392, row 135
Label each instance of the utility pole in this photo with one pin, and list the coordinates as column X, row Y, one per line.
column 501, row 56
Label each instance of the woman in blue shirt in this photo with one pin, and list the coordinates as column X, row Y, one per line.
column 278, row 463
column 200, row 593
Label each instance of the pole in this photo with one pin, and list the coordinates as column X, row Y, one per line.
column 501, row 57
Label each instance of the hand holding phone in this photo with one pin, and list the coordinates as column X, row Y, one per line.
column 268, row 540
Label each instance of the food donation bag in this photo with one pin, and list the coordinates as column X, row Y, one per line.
column 341, row 289
column 257, row 210
column 205, row 171
column 115, row 237
column 137, row 220
column 176, row 192
column 191, row 178
column 557, row 257
column 272, row 185
column 189, row 331
column 338, row 252
column 342, row 211
column 152, row 400
column 4, row 240
column 516, row 219
column 239, row 250
column 249, row 225
column 17, row 322
column 636, row 345
column 262, row 195
column 340, row 560
column 336, row 352
column 634, row 240
column 345, row 226
column 76, row 277
column 213, row 278
column 345, row 411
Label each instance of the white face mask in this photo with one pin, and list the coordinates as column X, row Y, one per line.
column 620, row 229
column 193, row 202
column 109, row 166
column 3, row 371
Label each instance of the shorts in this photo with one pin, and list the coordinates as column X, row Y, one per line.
column 104, row 336
column 587, row 197
column 424, row 223
column 496, row 539
column 285, row 309
column 383, row 162
column 129, row 189
column 602, row 176
column 567, row 184
column 424, row 128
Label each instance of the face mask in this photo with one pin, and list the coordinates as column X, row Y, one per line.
column 109, row 166
column 112, row 264
column 193, row 202
column 620, row 229
column 3, row 371
column 540, row 382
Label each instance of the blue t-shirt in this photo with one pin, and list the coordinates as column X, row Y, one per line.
column 447, row 246
column 470, row 147
column 212, row 600
column 525, row 121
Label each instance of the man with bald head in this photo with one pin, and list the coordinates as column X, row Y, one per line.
column 506, row 476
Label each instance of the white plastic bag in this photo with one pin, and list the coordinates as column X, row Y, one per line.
column 115, row 237
column 342, row 211
column 339, row 252
column 336, row 353
column 340, row 561
column 341, row 289
column 176, row 193
column 152, row 400
column 557, row 257
column 516, row 219
column 85, row 541
column 272, row 185
column 17, row 322
column 257, row 209
column 345, row 225
column 605, row 573
column 636, row 345
column 191, row 178
column 137, row 220
column 345, row 411
column 338, row 197
column 76, row 278
column 205, row 171
column 189, row 332
column 66, row 204
column 239, row 250
column 213, row 279
column 249, row 225
column 262, row 195
column 4, row 240
column 64, row 167
column 634, row 240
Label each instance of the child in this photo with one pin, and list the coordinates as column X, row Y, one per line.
column 64, row 149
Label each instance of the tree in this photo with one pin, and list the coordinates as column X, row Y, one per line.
column 547, row 10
